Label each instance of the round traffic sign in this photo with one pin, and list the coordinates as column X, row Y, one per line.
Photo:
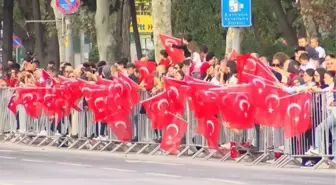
column 67, row 6
column 17, row 42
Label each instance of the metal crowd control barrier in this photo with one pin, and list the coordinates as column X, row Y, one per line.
column 78, row 131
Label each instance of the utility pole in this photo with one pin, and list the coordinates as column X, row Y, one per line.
column 69, row 53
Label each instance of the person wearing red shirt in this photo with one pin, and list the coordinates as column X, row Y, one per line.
column 164, row 60
column 210, row 60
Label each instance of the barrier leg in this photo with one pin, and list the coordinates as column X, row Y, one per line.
column 95, row 145
column 43, row 141
column 283, row 157
column 225, row 157
column 73, row 144
column 142, row 149
column 83, row 145
column 197, row 153
column 183, row 151
column 107, row 145
column 154, row 151
column 131, row 148
column 117, row 147
column 210, row 155
column 261, row 158
column 243, row 157
column 34, row 139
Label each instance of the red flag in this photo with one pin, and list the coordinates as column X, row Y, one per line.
column 157, row 109
column 176, row 55
column 176, row 92
column 210, row 128
column 297, row 114
column 145, row 68
column 121, row 125
column 12, row 105
column 173, row 133
column 269, row 106
column 251, row 65
column 46, row 80
column 132, row 89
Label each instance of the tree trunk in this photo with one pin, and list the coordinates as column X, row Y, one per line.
column 161, row 13
column 135, row 29
column 234, row 38
column 7, row 48
column 289, row 33
column 51, row 39
column 106, row 18
column 125, row 24
column 39, row 34
column 59, row 28
column 307, row 17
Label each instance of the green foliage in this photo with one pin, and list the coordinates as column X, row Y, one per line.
column 201, row 19
column 329, row 43
column 94, row 55
column 84, row 22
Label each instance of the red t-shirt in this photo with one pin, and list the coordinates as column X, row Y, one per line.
column 205, row 66
column 165, row 62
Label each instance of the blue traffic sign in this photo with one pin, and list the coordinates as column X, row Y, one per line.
column 67, row 6
column 236, row 13
column 17, row 42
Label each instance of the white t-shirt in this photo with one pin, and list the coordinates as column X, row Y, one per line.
column 321, row 52
column 196, row 58
column 309, row 65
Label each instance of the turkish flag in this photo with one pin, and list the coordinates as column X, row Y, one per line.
column 172, row 134
column 121, row 125
column 176, row 55
column 132, row 89
column 145, row 68
column 176, row 92
column 46, row 80
column 12, row 105
column 252, row 65
column 157, row 109
column 269, row 106
column 209, row 127
column 30, row 99
column 297, row 114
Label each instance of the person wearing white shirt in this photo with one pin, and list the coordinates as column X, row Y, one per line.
column 315, row 43
column 306, row 63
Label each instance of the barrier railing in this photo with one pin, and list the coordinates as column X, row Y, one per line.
column 78, row 131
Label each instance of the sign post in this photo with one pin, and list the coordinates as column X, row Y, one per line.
column 236, row 13
column 68, row 7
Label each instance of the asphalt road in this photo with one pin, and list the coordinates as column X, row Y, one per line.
column 22, row 165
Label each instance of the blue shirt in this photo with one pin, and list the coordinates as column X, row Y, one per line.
column 294, row 89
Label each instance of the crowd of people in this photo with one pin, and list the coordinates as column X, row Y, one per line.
column 310, row 69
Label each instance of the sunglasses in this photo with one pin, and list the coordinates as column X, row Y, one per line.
column 275, row 65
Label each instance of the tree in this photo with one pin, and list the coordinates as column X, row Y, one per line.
column 112, row 28
column 7, row 48
column 59, row 28
column 161, row 13
column 38, row 29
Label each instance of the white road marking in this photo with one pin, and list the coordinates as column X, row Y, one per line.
column 154, row 162
column 226, row 181
column 6, row 157
column 73, row 164
column 32, row 160
column 7, row 151
column 119, row 170
column 163, row 175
